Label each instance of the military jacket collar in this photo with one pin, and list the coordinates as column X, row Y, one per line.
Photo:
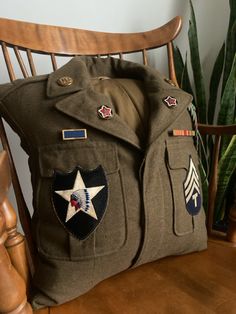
column 82, row 99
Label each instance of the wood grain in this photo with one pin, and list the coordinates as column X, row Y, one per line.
column 13, row 271
column 71, row 41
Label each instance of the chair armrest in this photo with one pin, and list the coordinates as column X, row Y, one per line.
column 13, row 265
column 12, row 286
column 218, row 131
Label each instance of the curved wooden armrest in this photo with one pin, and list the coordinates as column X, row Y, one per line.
column 217, row 129
column 13, row 265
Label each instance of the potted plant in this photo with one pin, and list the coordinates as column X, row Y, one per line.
column 209, row 111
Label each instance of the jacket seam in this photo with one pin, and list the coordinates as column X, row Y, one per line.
column 16, row 86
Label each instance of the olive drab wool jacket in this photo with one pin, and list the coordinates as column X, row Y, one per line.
column 114, row 171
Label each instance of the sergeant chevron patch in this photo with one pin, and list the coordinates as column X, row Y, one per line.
column 192, row 190
column 80, row 200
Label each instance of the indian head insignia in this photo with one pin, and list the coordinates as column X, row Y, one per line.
column 80, row 200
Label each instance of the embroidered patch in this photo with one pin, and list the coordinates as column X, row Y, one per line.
column 105, row 112
column 80, row 200
column 170, row 101
column 192, row 190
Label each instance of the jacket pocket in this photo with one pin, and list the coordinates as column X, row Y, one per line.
column 180, row 154
column 54, row 240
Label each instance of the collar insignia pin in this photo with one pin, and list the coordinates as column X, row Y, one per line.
column 105, row 112
column 170, row 101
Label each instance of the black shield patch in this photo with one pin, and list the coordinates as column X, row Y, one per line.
column 80, row 199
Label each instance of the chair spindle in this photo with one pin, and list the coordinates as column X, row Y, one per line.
column 8, row 62
column 31, row 62
column 171, row 65
column 21, row 62
column 145, row 60
column 54, row 61
column 121, row 55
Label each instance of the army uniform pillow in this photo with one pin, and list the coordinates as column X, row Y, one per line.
column 114, row 171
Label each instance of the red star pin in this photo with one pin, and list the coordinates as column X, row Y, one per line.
column 105, row 112
column 170, row 101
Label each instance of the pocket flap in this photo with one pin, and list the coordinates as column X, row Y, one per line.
column 178, row 152
column 66, row 156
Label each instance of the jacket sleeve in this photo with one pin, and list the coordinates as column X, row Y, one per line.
column 9, row 100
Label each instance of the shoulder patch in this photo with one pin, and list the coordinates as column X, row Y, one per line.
column 192, row 190
column 80, row 200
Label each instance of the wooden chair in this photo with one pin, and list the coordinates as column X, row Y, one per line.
column 201, row 282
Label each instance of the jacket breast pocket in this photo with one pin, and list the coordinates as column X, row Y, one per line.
column 53, row 238
column 182, row 165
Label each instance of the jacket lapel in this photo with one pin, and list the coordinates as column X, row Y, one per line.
column 84, row 105
column 82, row 101
column 162, row 116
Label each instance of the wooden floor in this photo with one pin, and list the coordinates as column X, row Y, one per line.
column 198, row 283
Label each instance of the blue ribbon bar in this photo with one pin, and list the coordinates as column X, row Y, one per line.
column 74, row 134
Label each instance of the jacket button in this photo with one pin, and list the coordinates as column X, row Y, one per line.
column 65, row 81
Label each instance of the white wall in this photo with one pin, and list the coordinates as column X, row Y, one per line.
column 119, row 16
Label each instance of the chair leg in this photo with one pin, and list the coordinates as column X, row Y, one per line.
column 15, row 243
column 231, row 232
column 12, row 286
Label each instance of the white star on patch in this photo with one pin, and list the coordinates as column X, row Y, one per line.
column 84, row 197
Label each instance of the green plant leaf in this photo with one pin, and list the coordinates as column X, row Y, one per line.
column 185, row 81
column 230, row 42
column 179, row 64
column 227, row 108
column 181, row 70
column 227, row 166
column 196, row 66
column 214, row 83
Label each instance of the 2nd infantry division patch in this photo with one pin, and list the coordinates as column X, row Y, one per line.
column 192, row 191
column 80, row 200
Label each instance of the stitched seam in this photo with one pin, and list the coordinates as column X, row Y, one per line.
column 22, row 83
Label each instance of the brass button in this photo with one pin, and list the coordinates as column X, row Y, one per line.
column 65, row 81
column 169, row 82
